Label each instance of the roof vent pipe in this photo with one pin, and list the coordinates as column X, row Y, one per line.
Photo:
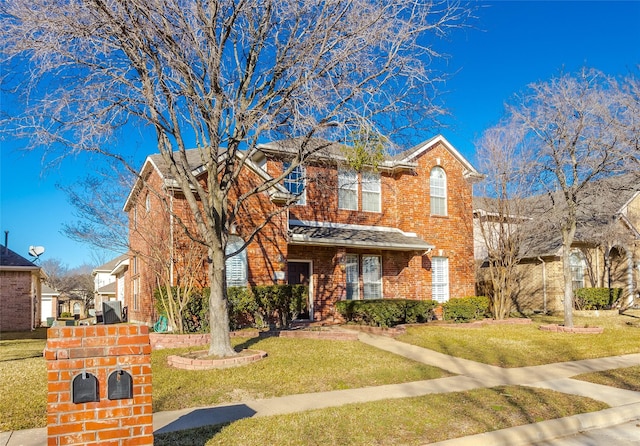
column 6, row 242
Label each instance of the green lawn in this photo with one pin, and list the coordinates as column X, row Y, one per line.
column 292, row 366
column 306, row 366
column 408, row 421
column 526, row 345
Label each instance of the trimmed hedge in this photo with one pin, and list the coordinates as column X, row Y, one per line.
column 248, row 307
column 386, row 312
column 596, row 298
column 465, row 309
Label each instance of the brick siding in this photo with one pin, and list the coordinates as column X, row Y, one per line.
column 99, row 350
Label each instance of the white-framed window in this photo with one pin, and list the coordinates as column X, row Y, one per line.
column 135, row 265
column 438, row 191
column 352, row 272
column 348, row 189
column 440, row 278
column 295, row 183
column 76, row 308
column 372, row 276
column 371, row 196
column 578, row 265
column 147, row 203
column 236, row 266
column 136, row 294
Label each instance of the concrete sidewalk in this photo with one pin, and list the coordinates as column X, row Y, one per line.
column 625, row 405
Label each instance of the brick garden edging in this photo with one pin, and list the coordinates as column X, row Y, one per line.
column 185, row 363
column 160, row 341
column 483, row 322
column 562, row 329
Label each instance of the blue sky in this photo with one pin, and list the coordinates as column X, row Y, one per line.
column 510, row 45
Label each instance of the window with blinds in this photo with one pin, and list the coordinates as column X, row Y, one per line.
column 371, row 197
column 348, row 189
column 440, row 279
column 236, row 266
column 352, row 272
column 372, row 277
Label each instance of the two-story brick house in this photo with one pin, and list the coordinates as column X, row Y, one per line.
column 401, row 230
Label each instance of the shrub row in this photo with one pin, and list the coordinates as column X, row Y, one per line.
column 258, row 307
column 386, row 312
column 596, row 298
column 465, row 309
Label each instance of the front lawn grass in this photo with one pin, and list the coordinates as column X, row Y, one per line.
column 407, row 421
column 527, row 345
column 292, row 366
column 627, row 378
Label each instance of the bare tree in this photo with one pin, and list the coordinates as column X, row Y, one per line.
column 221, row 76
column 575, row 130
column 499, row 213
column 97, row 200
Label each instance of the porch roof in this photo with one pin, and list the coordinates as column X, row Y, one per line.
column 324, row 234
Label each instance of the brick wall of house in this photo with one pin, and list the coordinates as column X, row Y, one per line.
column 15, row 301
column 99, row 351
column 405, row 205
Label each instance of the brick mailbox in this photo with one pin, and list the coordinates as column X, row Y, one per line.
column 99, row 385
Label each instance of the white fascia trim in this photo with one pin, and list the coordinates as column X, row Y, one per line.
column 19, row 268
column 327, row 224
column 626, row 205
column 121, row 266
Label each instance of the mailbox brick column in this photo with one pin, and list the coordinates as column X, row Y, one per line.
column 99, row 350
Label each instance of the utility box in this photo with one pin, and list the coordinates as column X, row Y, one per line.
column 99, row 385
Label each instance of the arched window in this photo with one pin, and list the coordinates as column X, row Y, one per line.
column 438, row 188
column 236, row 266
column 76, row 308
column 578, row 267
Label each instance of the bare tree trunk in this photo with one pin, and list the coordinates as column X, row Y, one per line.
column 218, row 314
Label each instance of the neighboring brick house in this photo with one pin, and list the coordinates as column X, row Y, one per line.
column 404, row 230
column 605, row 252
column 20, row 292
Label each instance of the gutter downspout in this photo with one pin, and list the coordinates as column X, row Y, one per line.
column 544, row 284
column 629, row 278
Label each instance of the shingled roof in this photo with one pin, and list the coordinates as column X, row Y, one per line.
column 599, row 207
column 317, row 233
column 11, row 260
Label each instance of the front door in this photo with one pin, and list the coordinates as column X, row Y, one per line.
column 299, row 274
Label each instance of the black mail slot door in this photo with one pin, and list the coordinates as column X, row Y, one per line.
column 119, row 385
column 84, row 388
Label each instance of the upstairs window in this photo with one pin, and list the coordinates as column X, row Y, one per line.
column 236, row 266
column 348, row 189
column 438, row 188
column 294, row 183
column 371, row 199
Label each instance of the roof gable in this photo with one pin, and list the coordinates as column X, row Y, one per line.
column 11, row 260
